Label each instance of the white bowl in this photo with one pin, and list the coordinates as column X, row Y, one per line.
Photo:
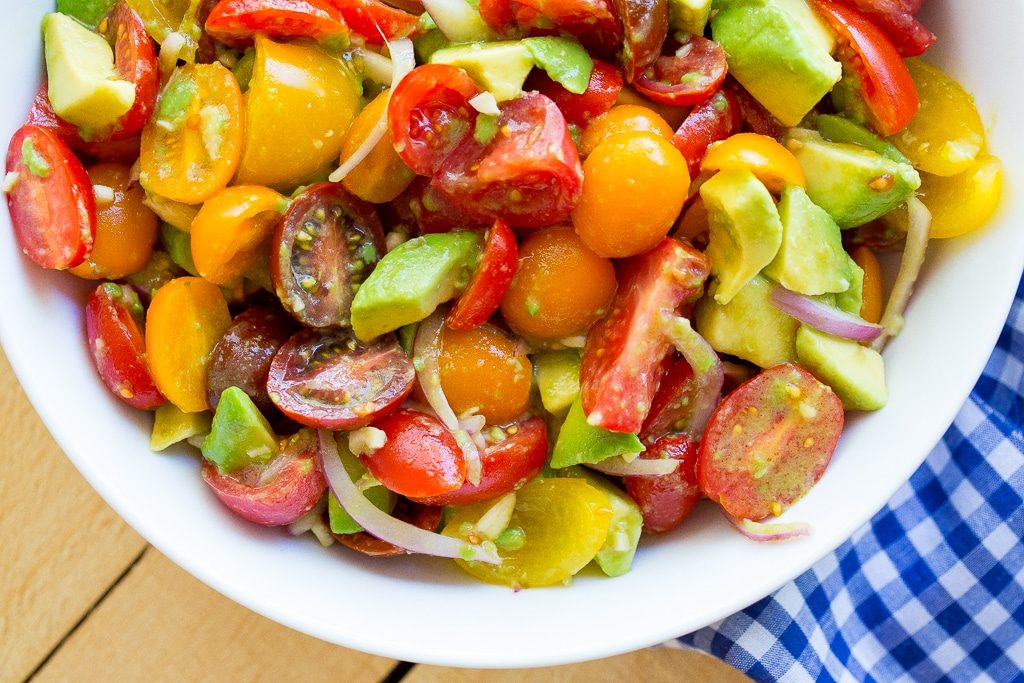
column 428, row 611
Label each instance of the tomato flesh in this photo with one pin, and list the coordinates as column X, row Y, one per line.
column 371, row 18
column 135, row 60
column 602, row 91
column 432, row 211
column 667, row 500
column 235, row 22
column 487, row 288
column 690, row 76
column 672, row 402
column 897, row 21
column 593, row 22
column 714, row 120
column 645, row 25
column 420, row 458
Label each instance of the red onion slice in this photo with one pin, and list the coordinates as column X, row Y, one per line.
column 618, row 467
column 770, row 533
column 821, row 316
column 385, row 527
column 918, row 231
column 708, row 371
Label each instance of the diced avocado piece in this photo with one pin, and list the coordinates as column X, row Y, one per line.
column 157, row 272
column 429, row 42
column 244, row 68
column 580, row 442
column 852, row 299
column 780, row 51
column 564, row 60
column 179, row 247
column 341, row 522
column 855, row 372
column 500, row 67
column 616, row 555
column 240, row 435
column 170, row 426
column 811, row 259
column 89, row 12
column 412, row 280
column 84, row 87
column 688, row 16
column 841, row 129
column 750, row 326
column 558, row 378
column 854, row 184
column 744, row 229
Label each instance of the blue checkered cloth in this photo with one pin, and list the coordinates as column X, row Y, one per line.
column 932, row 589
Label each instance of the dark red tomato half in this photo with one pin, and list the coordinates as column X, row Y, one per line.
column 113, row 327
column 529, row 174
column 51, row 200
column 602, row 91
column 420, row 458
column 328, row 380
column 768, row 442
column 667, row 500
column 623, row 355
column 41, row 114
column 505, row 466
column 690, row 76
column 432, row 212
column 671, row 403
column 714, row 120
column 645, row 27
column 423, row 516
column 371, row 18
column 593, row 22
column 489, row 283
column 429, row 115
column 278, row 492
column 236, row 22
column 897, row 21
column 135, row 59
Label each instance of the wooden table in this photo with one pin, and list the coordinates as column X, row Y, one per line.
column 85, row 598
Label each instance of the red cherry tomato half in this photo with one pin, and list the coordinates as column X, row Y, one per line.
column 645, row 26
column 714, row 120
column 489, row 283
column 667, row 500
column 768, row 442
column 671, row 403
column 41, row 114
column 371, row 18
column 429, row 115
column 420, row 458
column 602, row 91
column 52, row 204
column 896, row 19
column 424, row 516
column 135, row 59
column 432, row 212
column 328, row 380
column 529, row 174
column 593, row 22
column 236, row 22
column 275, row 493
column 889, row 91
column 622, row 358
column 505, row 466
column 113, row 326
column 690, row 76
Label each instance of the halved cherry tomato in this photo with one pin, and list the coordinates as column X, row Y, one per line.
column 964, row 202
column 52, row 205
column 716, row 119
column 423, row 516
column 186, row 319
column 382, row 175
column 602, row 91
column 765, row 157
column 135, row 59
column 429, row 115
column 769, row 442
column 230, row 232
column 236, row 22
column 242, row 356
column 485, row 369
column 326, row 245
column 593, row 22
column 896, row 19
column 690, row 76
column 529, row 174
column 113, row 325
column 671, row 403
column 667, row 500
column 371, row 18
column 277, row 492
column 420, row 458
column 692, row 226
column 872, row 292
column 505, row 466
column 328, row 380
column 621, row 363
column 622, row 118
column 432, row 212
column 673, row 116
column 645, row 26
column 192, row 145
column 888, row 89
column 489, row 283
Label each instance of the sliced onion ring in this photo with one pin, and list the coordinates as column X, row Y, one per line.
column 774, row 532
column 708, row 371
column 918, row 231
column 617, row 467
column 823, row 317
column 382, row 525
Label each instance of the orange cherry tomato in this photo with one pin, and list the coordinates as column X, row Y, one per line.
column 125, row 226
column 871, row 302
column 623, row 118
column 382, row 175
column 672, row 114
column 191, row 146
column 186, row 319
column 773, row 164
column 230, row 229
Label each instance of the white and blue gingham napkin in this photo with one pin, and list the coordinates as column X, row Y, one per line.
column 932, row 589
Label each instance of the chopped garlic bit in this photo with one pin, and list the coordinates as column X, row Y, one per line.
column 104, row 194
column 366, row 440
column 485, row 104
column 10, row 180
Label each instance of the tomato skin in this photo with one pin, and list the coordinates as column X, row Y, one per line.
column 113, row 317
column 425, row 517
column 765, row 157
column 54, row 214
column 622, row 118
column 230, row 232
column 486, row 369
column 666, row 501
column 505, row 466
column 489, row 283
column 593, row 22
column 601, row 93
column 135, row 59
column 896, row 19
column 370, row 18
column 690, row 76
column 41, row 114
column 420, row 458
column 714, row 120
column 382, row 175
column 671, row 402
column 768, row 442
column 235, row 22
column 645, row 25
column 622, row 358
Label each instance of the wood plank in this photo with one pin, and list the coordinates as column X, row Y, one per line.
column 62, row 546
column 161, row 624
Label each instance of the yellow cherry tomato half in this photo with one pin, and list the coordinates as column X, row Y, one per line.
column 382, row 175
column 872, row 293
column 673, row 116
column 966, row 201
column 622, row 118
column 773, row 164
column 230, row 232
column 191, row 146
column 484, row 368
column 186, row 318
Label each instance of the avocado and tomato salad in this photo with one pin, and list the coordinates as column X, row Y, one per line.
column 513, row 283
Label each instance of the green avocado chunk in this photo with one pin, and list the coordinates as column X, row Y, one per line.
column 688, row 16
column 240, row 435
column 855, row 372
column 412, row 280
column 580, row 442
column 852, row 299
column 852, row 183
column 499, row 67
column 89, row 12
column 811, row 259
column 616, row 555
column 179, row 247
column 780, row 51
column 341, row 522
column 558, row 378
column 841, row 129
column 745, row 232
column 565, row 61
column 171, row 425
